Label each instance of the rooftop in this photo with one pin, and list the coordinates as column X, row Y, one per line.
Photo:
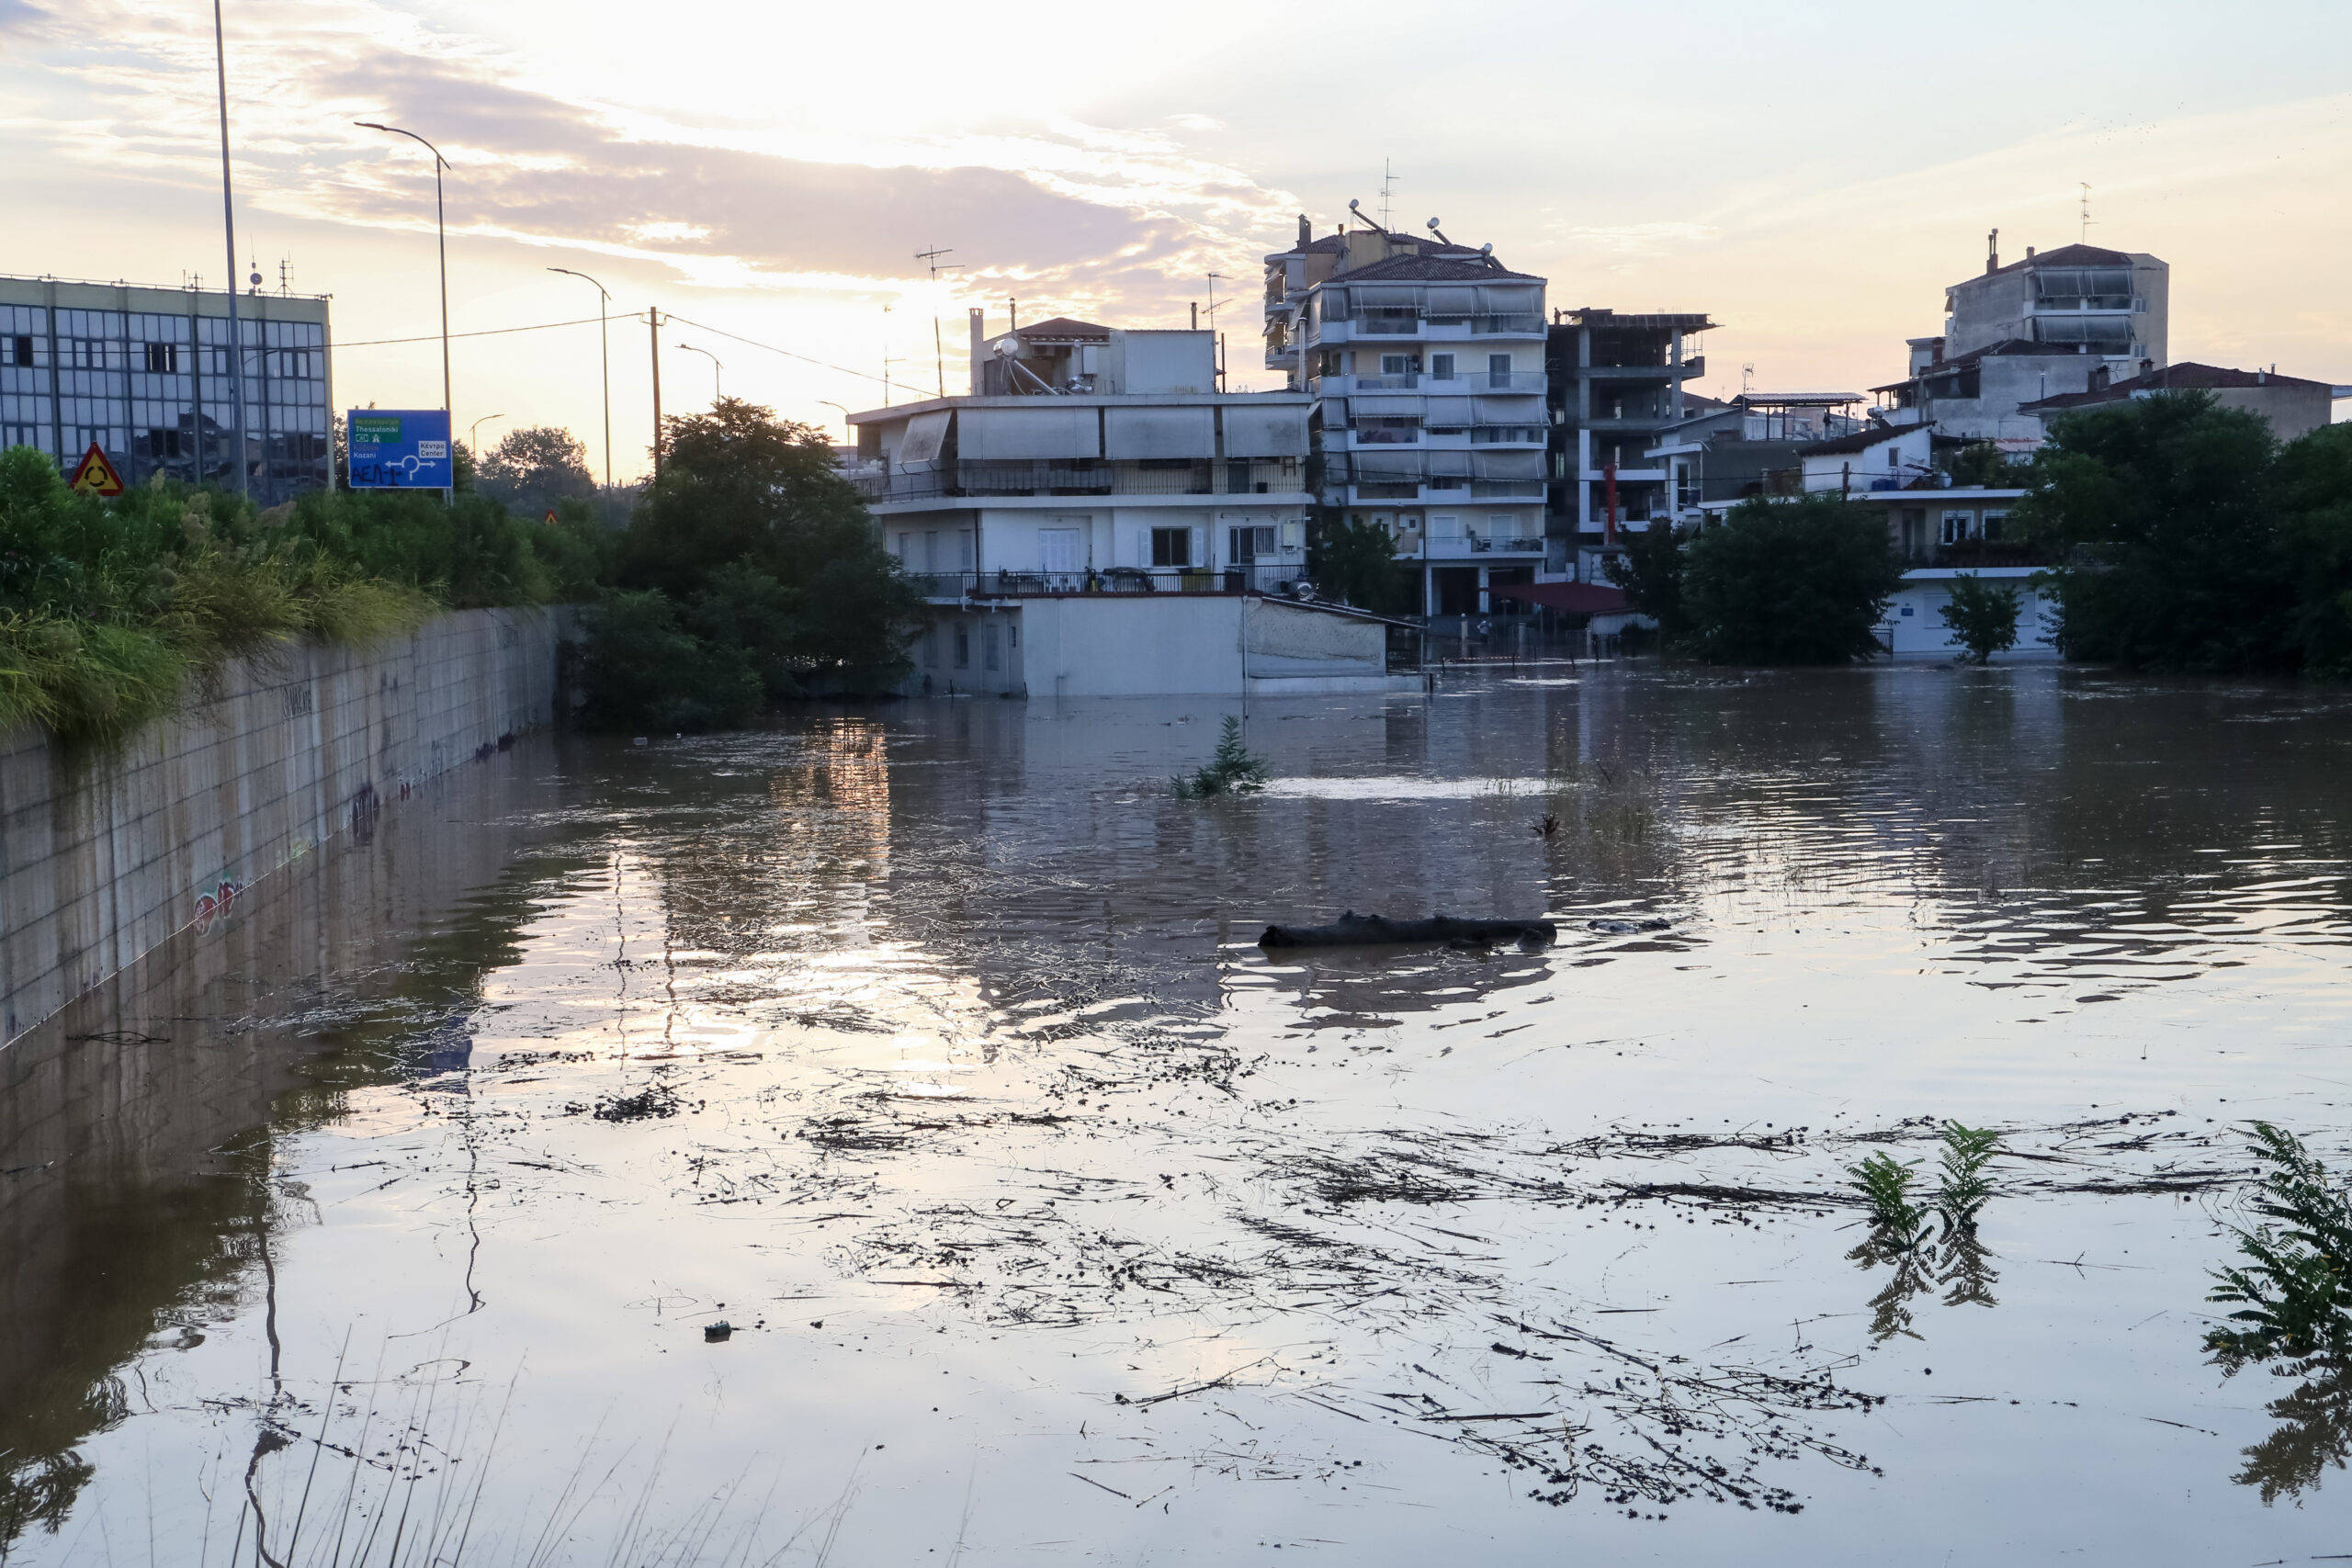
column 1859, row 441
column 1660, row 320
column 1456, row 265
column 2183, row 378
column 2071, row 256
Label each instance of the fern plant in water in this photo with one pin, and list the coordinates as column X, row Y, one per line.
column 1962, row 1188
column 1885, row 1183
column 2294, row 1291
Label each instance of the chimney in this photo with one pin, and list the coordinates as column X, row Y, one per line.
column 2147, row 367
column 2100, row 379
column 2029, row 252
column 1993, row 251
column 979, row 354
column 1305, row 231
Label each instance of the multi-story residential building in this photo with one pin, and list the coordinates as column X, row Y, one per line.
column 1724, row 453
column 144, row 375
column 2034, row 329
column 1423, row 360
column 1092, row 520
column 1615, row 388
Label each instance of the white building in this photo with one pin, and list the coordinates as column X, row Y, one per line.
column 1424, row 361
column 1107, row 523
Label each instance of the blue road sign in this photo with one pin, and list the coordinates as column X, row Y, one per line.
column 400, row 449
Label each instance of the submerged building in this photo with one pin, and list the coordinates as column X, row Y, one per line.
column 1096, row 519
column 144, row 375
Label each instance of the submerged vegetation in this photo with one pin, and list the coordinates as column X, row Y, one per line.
column 2294, row 1291
column 1234, row 770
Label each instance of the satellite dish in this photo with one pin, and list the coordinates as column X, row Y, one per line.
column 1007, row 347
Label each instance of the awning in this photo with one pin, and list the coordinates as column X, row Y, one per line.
column 1277, row 430
column 1575, row 598
column 1528, row 410
column 1507, row 464
column 925, row 433
column 1053, row 432
column 1178, row 432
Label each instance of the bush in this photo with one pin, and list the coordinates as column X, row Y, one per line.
column 2294, row 1295
column 1802, row 581
column 1982, row 617
column 1355, row 563
column 1235, row 770
column 1650, row 572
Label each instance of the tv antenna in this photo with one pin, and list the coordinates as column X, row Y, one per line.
column 1746, row 378
column 2086, row 211
column 938, row 349
column 1387, row 188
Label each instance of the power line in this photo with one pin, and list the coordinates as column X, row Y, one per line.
column 754, row 342
column 492, row 332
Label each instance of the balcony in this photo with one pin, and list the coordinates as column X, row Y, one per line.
column 1275, row 578
column 1470, row 547
column 993, row 479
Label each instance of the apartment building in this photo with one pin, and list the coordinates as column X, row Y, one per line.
column 1089, row 521
column 2293, row 406
column 2029, row 331
column 1615, row 388
column 143, row 373
column 1422, row 360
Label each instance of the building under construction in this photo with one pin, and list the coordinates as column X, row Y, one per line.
column 1614, row 384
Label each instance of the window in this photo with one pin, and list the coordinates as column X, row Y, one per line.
column 1498, row 370
column 1894, row 458
column 1395, row 365
column 163, row 358
column 162, row 444
column 1441, row 367
column 963, row 647
column 1993, row 524
column 1502, row 526
column 1445, row 526
column 931, row 551
column 21, row 351
column 1058, row 550
column 906, row 549
column 1244, row 546
column 1171, row 546
column 991, row 657
column 1957, row 526
column 931, row 648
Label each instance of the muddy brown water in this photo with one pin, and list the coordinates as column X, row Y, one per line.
column 927, row 1048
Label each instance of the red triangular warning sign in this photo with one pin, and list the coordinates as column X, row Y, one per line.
column 551, row 516
column 95, row 476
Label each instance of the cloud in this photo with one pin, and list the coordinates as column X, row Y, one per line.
column 1055, row 209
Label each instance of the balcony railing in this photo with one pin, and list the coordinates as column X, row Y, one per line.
column 1198, row 476
column 1276, row 578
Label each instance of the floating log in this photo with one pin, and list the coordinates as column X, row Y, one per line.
column 1353, row 929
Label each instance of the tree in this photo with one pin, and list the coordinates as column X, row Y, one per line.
column 2311, row 484
column 1983, row 463
column 1802, row 581
column 1982, row 617
column 764, row 551
column 1650, row 572
column 2162, row 510
column 535, row 468
column 1355, row 563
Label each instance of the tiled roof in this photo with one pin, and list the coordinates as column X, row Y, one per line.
column 1064, row 327
column 2072, row 255
column 2183, row 378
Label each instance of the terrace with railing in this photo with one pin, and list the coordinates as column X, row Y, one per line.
column 1089, row 477
column 1279, row 579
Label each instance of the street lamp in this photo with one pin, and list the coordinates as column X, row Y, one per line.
column 229, row 223
column 473, row 440
column 603, row 348
column 441, row 223
column 690, row 348
column 849, row 437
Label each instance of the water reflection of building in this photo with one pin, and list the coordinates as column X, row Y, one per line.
column 145, row 375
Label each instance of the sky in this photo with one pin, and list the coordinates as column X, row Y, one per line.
column 1810, row 175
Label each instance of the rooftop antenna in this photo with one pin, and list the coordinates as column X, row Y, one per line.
column 1214, row 307
column 1387, row 187
column 938, row 348
column 286, row 275
column 2086, row 211
column 1746, row 378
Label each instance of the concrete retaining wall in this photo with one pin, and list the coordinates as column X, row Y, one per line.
column 105, row 854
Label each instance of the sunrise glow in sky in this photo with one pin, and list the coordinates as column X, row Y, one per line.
column 1813, row 175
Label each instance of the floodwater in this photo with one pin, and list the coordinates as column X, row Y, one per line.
column 929, row 1050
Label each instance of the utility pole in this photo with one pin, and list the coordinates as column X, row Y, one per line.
column 654, row 318
column 937, row 348
column 229, row 223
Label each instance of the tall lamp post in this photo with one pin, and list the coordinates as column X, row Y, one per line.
column 603, row 348
column 229, row 223
column 715, row 368
column 441, row 223
column 849, row 437
column 473, row 444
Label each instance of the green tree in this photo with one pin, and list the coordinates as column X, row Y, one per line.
column 2162, row 511
column 1983, row 463
column 1355, row 563
column 2311, row 484
column 533, row 469
column 1802, row 581
column 1982, row 617
column 1650, row 572
column 764, row 548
